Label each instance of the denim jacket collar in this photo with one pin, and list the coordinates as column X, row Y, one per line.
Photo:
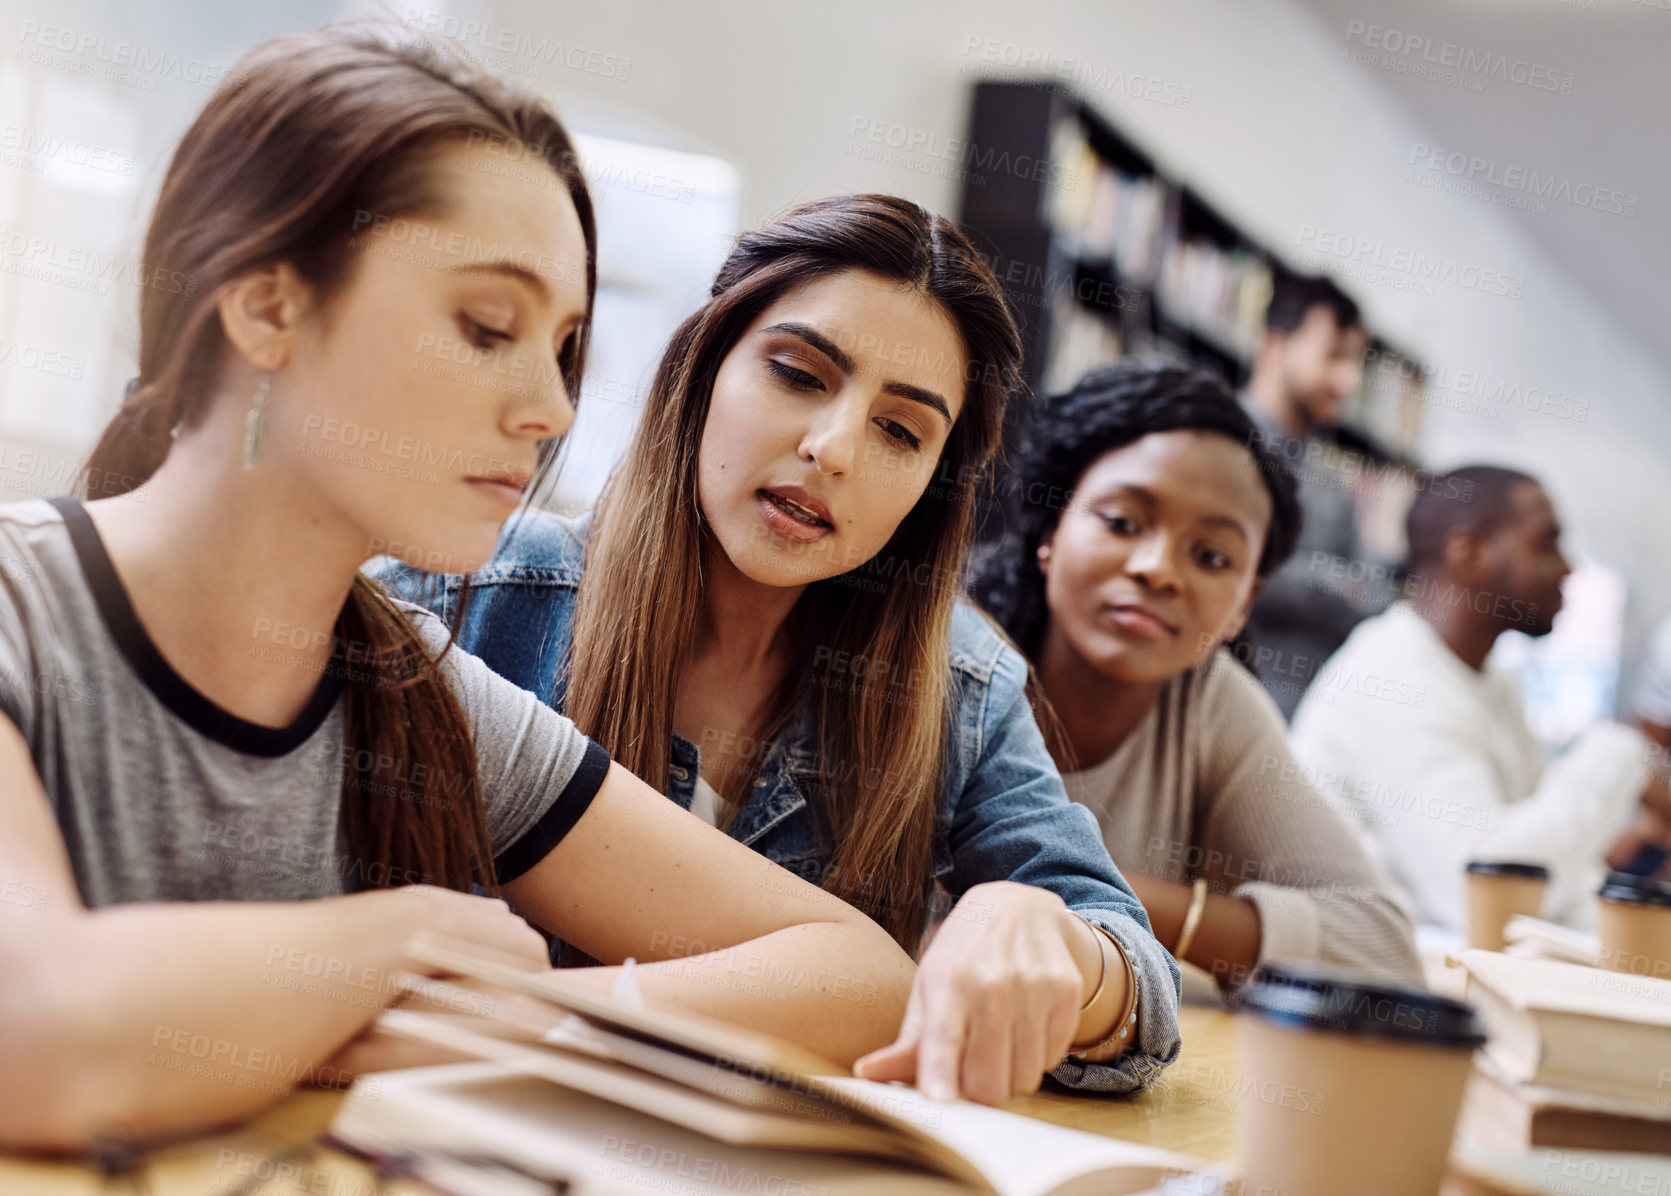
column 773, row 795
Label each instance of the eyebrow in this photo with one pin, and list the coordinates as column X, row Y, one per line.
column 843, row 362
column 1148, row 497
column 507, row 270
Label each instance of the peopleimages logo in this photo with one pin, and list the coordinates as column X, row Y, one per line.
column 116, row 61
column 523, row 45
column 39, row 146
column 980, row 54
column 1417, row 266
column 1414, row 48
column 46, row 361
column 1476, row 169
column 926, row 144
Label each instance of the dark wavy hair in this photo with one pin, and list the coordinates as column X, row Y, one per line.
column 1110, row 408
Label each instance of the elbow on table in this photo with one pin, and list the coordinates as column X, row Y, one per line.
column 60, row 1099
column 74, row 1078
column 69, row 1103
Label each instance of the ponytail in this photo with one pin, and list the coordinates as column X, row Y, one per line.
column 131, row 448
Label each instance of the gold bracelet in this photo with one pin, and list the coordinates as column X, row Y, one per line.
column 1102, row 958
column 1128, row 1014
column 1192, row 919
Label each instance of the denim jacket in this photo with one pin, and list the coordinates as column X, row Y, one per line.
column 1002, row 813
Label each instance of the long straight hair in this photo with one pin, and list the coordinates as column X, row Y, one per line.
column 312, row 133
column 880, row 747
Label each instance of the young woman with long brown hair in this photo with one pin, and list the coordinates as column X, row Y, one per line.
column 764, row 611
column 236, row 779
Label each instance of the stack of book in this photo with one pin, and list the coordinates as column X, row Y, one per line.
column 1579, row 1058
column 581, row 1091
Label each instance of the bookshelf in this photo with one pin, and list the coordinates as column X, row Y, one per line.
column 1105, row 255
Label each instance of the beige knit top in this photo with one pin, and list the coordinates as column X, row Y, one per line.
column 1205, row 786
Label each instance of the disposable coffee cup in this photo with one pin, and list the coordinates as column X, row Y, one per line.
column 1497, row 891
column 1633, row 921
column 1348, row 1086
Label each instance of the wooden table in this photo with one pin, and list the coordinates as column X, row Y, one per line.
column 1191, row 1109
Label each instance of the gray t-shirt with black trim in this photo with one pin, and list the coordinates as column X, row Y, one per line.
column 163, row 796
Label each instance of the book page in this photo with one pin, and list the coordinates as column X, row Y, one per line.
column 662, row 1098
column 489, row 1110
column 1018, row 1156
column 1021, row 1156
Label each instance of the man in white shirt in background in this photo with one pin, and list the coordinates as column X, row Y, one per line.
column 1428, row 750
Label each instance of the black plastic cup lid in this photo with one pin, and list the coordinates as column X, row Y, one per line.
column 1507, row 868
column 1320, row 1000
column 1635, row 890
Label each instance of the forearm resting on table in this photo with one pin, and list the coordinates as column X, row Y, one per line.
column 138, row 1021
column 774, row 984
column 1227, row 938
column 800, row 983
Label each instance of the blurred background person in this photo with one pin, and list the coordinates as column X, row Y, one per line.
column 1310, row 359
column 1427, row 746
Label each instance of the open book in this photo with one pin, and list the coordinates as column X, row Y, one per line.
column 607, row 1097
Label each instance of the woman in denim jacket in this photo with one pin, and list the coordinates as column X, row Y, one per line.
column 766, row 605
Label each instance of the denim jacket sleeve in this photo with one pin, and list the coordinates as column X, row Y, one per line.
column 1013, row 820
column 521, row 607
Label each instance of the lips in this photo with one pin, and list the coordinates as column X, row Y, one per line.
column 799, row 504
column 517, row 479
column 1141, row 619
column 793, row 514
column 506, row 485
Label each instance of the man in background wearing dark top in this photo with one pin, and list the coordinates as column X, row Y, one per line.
column 1310, row 359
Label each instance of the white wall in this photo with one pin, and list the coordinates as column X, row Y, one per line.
column 1280, row 130
column 93, row 98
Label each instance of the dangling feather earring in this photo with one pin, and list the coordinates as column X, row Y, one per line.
column 255, row 423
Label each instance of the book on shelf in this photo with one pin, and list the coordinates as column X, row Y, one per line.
column 1566, row 1026
column 1084, row 340
column 1102, row 214
column 609, row 1096
column 1219, row 293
